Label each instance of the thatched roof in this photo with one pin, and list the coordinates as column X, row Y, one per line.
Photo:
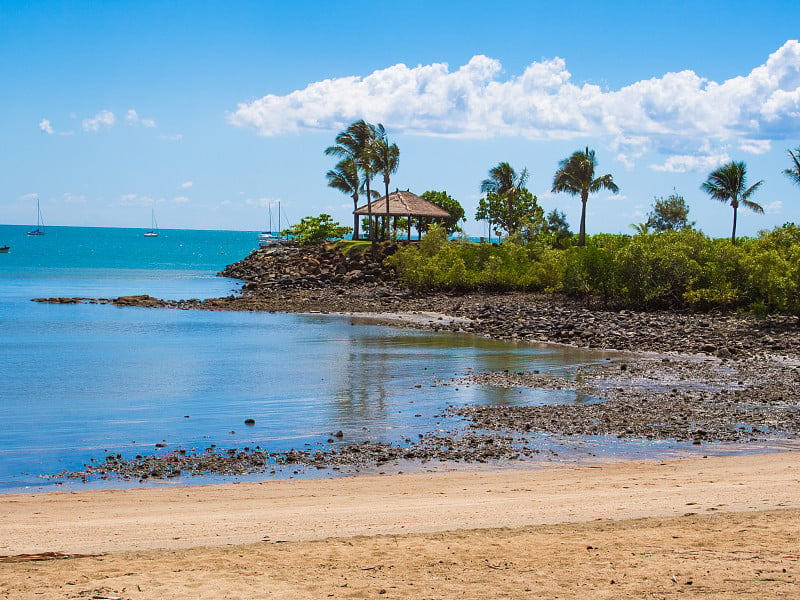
column 404, row 204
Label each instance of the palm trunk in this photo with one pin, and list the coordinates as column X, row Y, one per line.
column 582, row 234
column 733, row 233
column 355, row 216
column 369, row 213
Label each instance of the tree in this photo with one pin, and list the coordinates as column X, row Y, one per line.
column 451, row 205
column 358, row 143
column 793, row 173
column 575, row 176
column 669, row 214
column 508, row 203
column 558, row 228
column 728, row 183
column 314, row 230
column 387, row 160
column 344, row 177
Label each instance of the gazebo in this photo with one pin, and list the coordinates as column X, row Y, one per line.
column 402, row 204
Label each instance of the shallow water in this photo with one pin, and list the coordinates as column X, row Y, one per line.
column 79, row 381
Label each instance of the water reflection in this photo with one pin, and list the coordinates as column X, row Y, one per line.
column 124, row 380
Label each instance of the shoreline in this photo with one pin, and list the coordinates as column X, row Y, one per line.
column 696, row 378
column 720, row 526
column 312, row 509
column 727, row 526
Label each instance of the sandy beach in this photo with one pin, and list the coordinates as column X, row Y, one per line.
column 708, row 526
column 717, row 527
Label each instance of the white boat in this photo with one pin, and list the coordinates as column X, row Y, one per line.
column 153, row 225
column 270, row 239
column 39, row 221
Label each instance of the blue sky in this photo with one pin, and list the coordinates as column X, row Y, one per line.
column 211, row 111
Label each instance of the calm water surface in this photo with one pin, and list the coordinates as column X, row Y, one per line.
column 82, row 380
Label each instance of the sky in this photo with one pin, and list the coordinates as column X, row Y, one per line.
column 212, row 113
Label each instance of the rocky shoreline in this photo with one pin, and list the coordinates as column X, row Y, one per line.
column 697, row 377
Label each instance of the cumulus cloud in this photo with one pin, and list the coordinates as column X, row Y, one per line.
column 105, row 118
column 543, row 103
column 133, row 118
column 773, row 208
column 683, row 163
column 45, row 126
column 756, row 146
column 180, row 199
column 187, row 184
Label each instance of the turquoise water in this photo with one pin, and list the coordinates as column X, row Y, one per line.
column 82, row 380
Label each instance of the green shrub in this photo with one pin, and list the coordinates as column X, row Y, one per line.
column 680, row 269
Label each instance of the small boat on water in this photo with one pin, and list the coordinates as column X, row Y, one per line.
column 4, row 249
column 153, row 225
column 270, row 239
column 39, row 221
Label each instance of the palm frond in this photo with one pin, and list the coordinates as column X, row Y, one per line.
column 754, row 206
column 794, row 172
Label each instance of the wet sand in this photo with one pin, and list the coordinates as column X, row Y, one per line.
column 720, row 527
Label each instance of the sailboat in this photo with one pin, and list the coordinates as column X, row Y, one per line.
column 153, row 225
column 39, row 221
column 267, row 239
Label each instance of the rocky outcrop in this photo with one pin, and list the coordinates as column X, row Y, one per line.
column 312, row 266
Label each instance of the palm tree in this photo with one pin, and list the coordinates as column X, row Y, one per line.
column 728, row 183
column 344, row 177
column 387, row 160
column 358, row 143
column 506, row 184
column 575, row 176
column 794, row 172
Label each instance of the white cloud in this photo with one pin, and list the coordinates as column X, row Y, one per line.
column 172, row 138
column 180, row 199
column 187, row 184
column 133, row 118
column 105, row 118
column 45, row 126
column 472, row 101
column 682, row 163
column 262, row 202
column 756, row 146
column 773, row 208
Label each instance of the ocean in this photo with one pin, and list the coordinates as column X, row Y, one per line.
column 79, row 381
